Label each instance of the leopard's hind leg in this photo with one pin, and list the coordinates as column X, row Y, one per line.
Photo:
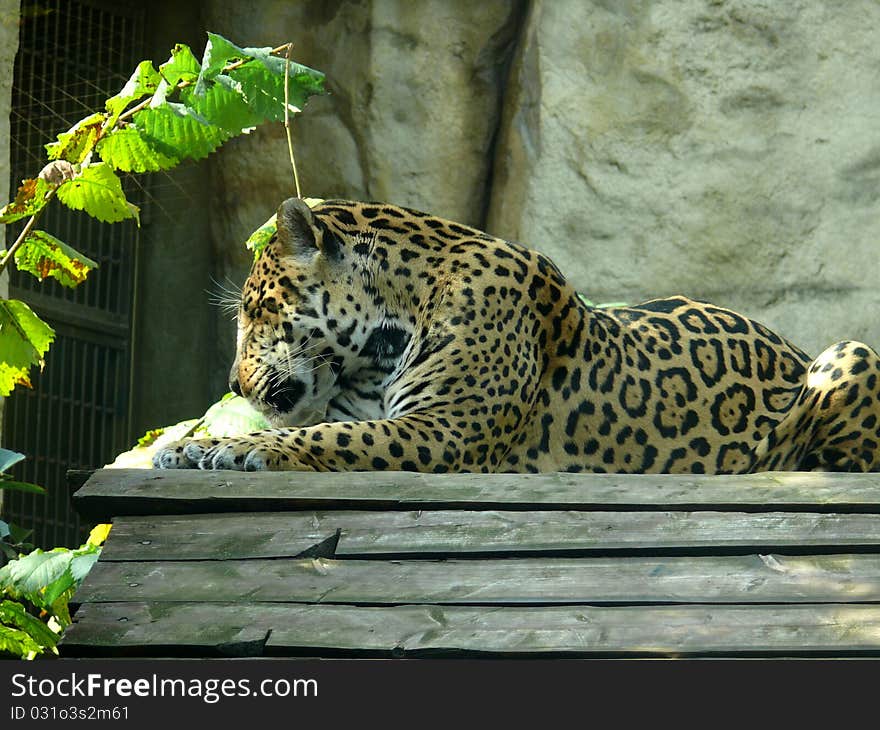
column 834, row 424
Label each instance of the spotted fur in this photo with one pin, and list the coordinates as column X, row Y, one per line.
column 376, row 337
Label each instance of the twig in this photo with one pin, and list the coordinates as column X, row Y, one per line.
column 287, row 121
column 25, row 231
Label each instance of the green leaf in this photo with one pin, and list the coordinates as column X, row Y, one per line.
column 182, row 66
column 29, row 199
column 264, row 89
column 82, row 562
column 13, row 614
column 14, row 486
column 4, row 530
column 261, row 77
column 24, row 339
column 143, row 81
column 75, row 144
column 43, row 255
column 19, row 534
column 17, row 642
column 232, row 416
column 98, row 192
column 40, row 576
column 127, row 149
column 8, row 459
column 223, row 106
column 218, row 52
column 174, row 129
column 260, row 238
column 60, row 610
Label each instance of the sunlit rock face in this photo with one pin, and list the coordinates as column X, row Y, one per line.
column 729, row 150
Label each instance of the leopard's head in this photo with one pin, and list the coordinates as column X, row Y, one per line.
column 302, row 319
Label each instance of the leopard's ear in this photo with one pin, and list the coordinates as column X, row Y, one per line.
column 296, row 227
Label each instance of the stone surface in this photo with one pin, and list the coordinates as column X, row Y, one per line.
column 725, row 149
column 415, row 102
column 729, row 150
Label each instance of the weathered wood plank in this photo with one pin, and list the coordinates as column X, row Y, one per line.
column 111, row 492
column 199, row 629
column 727, row 579
column 448, row 532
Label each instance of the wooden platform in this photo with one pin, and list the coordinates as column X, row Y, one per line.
column 403, row 564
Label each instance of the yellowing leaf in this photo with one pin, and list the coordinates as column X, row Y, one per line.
column 24, row 339
column 31, row 196
column 99, row 534
column 75, row 144
column 43, row 255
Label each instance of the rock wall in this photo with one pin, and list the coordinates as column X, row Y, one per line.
column 725, row 149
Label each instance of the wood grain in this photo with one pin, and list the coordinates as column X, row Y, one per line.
column 210, row 629
column 460, row 532
column 111, row 492
column 728, row 579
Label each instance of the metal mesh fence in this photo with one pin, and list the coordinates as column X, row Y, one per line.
column 73, row 55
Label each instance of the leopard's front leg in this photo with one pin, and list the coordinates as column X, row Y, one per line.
column 416, row 442
column 272, row 449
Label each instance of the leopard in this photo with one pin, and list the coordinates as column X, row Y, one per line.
column 376, row 337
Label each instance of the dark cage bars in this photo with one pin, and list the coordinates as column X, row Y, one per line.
column 73, row 54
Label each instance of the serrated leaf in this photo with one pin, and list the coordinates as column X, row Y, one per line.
column 143, row 81
column 174, row 129
column 182, row 66
column 8, row 459
column 60, row 609
column 98, row 192
column 218, row 52
column 13, row 614
column 264, row 89
column 223, row 106
column 43, row 255
column 76, row 143
column 17, row 642
column 24, row 339
column 29, row 199
column 127, row 149
column 41, row 576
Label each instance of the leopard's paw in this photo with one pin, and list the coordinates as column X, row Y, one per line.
column 241, row 453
